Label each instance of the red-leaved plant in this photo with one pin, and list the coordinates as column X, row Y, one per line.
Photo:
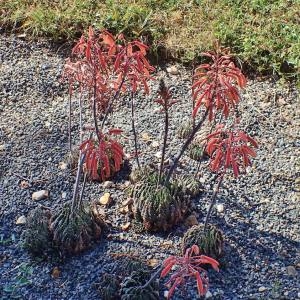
column 230, row 149
column 101, row 67
column 187, row 267
column 102, row 157
column 216, row 85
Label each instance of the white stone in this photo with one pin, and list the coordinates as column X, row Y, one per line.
column 173, row 70
column 208, row 295
column 21, row 220
column 166, row 294
column 158, row 154
column 47, row 124
column 202, row 179
column 64, row 195
column 220, row 208
column 62, row 165
column 155, row 144
column 39, row 195
column 108, row 184
column 262, row 289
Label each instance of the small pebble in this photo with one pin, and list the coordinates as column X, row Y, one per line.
column 108, row 184
column 173, row 70
column 39, row 195
column 21, row 220
column 291, row 271
column 105, row 199
column 220, row 208
column 208, row 295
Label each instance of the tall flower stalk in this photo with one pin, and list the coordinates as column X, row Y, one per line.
column 166, row 102
column 215, row 86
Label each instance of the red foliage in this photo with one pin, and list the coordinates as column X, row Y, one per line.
column 104, row 158
column 188, row 266
column 216, row 85
column 230, row 149
column 102, row 64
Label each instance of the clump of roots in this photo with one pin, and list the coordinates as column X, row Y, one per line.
column 210, row 243
column 74, row 231
column 37, row 236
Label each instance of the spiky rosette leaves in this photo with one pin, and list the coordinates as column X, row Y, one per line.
column 103, row 157
column 109, row 286
column 216, row 85
column 37, row 237
column 210, row 243
column 230, row 149
column 195, row 151
column 189, row 185
column 125, row 265
column 185, row 130
column 75, row 232
column 134, row 287
column 158, row 207
column 140, row 174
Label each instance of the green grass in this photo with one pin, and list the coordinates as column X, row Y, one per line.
column 265, row 34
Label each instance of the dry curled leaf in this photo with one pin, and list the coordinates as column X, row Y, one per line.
column 55, row 273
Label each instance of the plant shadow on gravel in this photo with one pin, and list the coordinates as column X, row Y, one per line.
column 246, row 245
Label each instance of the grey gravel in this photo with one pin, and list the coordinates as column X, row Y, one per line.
column 261, row 210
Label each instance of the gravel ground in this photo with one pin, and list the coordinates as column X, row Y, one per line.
column 261, row 211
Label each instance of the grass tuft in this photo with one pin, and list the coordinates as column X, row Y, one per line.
column 261, row 33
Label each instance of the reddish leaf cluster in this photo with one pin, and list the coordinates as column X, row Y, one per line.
column 230, row 149
column 188, row 266
column 103, row 64
column 216, row 85
column 103, row 158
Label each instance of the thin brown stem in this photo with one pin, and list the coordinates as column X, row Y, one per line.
column 164, row 144
column 213, row 201
column 153, row 277
column 185, row 145
column 70, row 122
column 95, row 109
column 79, row 204
column 134, row 131
column 76, row 186
column 80, row 118
column 111, row 102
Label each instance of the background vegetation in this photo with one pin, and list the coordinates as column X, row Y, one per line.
column 264, row 34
